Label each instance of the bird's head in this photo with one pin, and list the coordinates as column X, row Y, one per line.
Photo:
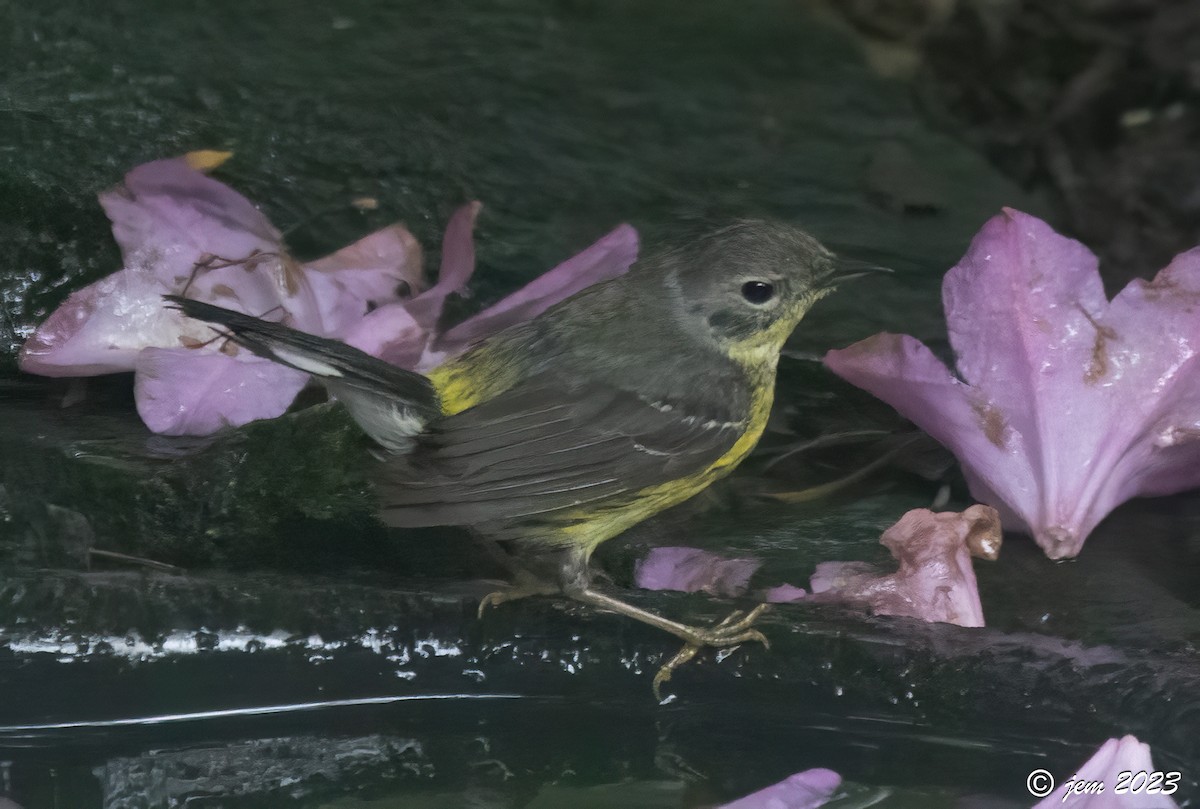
column 746, row 285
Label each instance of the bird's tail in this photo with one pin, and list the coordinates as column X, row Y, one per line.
column 391, row 403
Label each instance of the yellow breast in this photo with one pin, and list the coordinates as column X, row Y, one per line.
column 592, row 526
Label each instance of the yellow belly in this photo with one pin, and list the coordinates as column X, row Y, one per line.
column 597, row 524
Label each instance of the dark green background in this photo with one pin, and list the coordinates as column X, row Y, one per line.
column 564, row 118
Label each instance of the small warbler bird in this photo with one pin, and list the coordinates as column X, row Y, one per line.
column 559, row 433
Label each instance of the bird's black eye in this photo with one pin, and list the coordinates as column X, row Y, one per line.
column 758, row 292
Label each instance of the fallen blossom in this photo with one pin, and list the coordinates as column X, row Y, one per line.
column 1068, row 404
column 182, row 232
column 935, row 580
column 1094, row 785
column 804, row 790
column 691, row 570
column 405, row 334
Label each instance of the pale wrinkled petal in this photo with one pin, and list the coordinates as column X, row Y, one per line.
column 172, row 216
column 192, row 232
column 101, row 328
column 189, row 392
column 322, row 306
column 935, row 580
column 1115, row 756
column 271, row 288
column 608, row 258
column 458, row 265
column 691, row 570
column 79, row 340
column 804, row 790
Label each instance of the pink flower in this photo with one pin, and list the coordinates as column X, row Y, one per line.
column 804, row 790
column 935, row 580
column 1094, row 785
column 1068, row 404
column 183, row 232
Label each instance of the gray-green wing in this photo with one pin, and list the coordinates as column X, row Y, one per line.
column 549, row 446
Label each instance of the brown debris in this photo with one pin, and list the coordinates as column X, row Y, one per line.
column 991, row 421
column 1094, row 101
column 934, row 580
column 1095, row 104
column 1098, row 367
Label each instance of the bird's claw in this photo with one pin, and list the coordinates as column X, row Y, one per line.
column 515, row 593
column 733, row 630
column 492, row 599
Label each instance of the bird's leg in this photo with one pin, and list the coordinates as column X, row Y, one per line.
column 525, row 583
column 735, row 629
column 568, row 573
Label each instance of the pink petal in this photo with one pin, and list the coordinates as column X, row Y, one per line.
column 458, row 264
column 1104, row 397
column 904, row 373
column 192, row 232
column 935, row 580
column 83, row 337
column 1015, row 306
column 170, row 216
column 1153, row 379
column 784, row 594
column 392, row 334
column 691, row 570
column 1114, row 757
column 609, row 257
column 167, row 217
column 805, row 790
column 1025, row 308
column 1082, row 404
column 101, row 328
column 189, row 392
column 369, row 273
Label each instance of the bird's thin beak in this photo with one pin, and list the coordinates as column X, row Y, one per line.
column 847, row 269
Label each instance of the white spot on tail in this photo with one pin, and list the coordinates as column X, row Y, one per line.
column 404, row 422
column 305, row 363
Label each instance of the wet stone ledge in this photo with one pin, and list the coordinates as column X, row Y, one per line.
column 130, row 663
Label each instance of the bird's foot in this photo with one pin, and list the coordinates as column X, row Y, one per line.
column 734, row 630
column 515, row 593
